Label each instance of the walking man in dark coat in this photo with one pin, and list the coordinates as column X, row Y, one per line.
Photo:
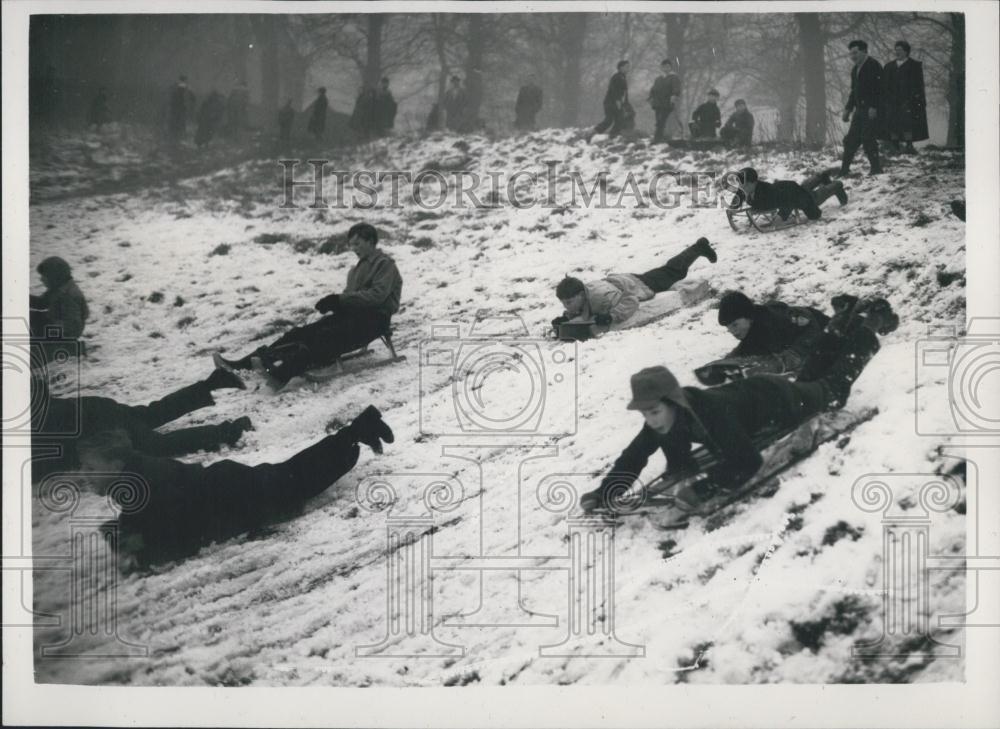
column 385, row 108
column 707, row 117
column 786, row 195
column 58, row 423
column 185, row 506
column 455, row 105
column 210, row 116
column 904, row 101
column 618, row 113
column 181, row 106
column 738, row 130
column 363, row 120
column 864, row 101
column 352, row 319
column 528, row 104
column 317, row 114
column 726, row 418
column 663, row 97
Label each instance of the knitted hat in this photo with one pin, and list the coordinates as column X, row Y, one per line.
column 56, row 270
column 653, row 385
column 569, row 287
column 734, row 305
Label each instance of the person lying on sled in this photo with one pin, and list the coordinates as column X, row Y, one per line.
column 615, row 298
column 724, row 419
column 353, row 318
column 774, row 336
column 176, row 508
column 57, row 423
column 785, row 195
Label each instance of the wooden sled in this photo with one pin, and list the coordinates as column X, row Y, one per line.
column 763, row 221
column 335, row 369
column 730, row 369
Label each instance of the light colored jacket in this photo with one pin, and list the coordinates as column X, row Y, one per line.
column 618, row 294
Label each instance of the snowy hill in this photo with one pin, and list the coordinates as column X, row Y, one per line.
column 780, row 592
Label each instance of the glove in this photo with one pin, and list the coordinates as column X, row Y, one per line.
column 328, row 304
column 603, row 320
column 558, row 321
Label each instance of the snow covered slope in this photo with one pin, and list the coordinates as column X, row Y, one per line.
column 780, row 592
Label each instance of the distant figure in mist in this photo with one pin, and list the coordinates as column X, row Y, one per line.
column 864, row 102
column 210, row 116
column 904, row 100
column 618, row 113
column 663, row 97
column 455, row 102
column 528, row 104
column 363, row 117
column 317, row 114
column 236, row 109
column 738, row 130
column 286, row 115
column 99, row 113
column 434, row 118
column 180, row 107
column 707, row 117
column 385, row 108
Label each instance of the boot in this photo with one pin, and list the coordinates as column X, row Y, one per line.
column 222, row 378
column 236, row 428
column 370, row 429
column 230, row 365
column 858, row 347
column 258, row 365
column 705, row 249
column 841, row 193
column 876, row 164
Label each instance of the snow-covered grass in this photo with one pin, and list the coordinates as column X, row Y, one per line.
column 779, row 592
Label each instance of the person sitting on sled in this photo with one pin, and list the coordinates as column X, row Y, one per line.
column 175, row 508
column 58, row 423
column 774, row 337
column 726, row 418
column 785, row 195
column 353, row 318
column 615, row 299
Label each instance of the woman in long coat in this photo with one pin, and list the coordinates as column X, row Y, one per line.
column 905, row 104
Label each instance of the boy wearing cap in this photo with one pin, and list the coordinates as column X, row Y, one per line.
column 768, row 328
column 786, row 195
column 724, row 419
column 615, row 299
column 707, row 117
column 738, row 130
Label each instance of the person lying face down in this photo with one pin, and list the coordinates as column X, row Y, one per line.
column 184, row 506
column 785, row 195
column 726, row 418
column 615, row 299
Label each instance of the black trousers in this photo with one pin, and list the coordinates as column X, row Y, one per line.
column 201, row 505
column 662, row 114
column 319, row 343
column 820, row 192
column 676, row 269
column 613, row 120
column 861, row 133
column 702, row 130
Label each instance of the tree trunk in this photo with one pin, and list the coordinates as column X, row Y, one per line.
column 475, row 45
column 373, row 46
column 677, row 25
column 270, row 67
column 812, row 45
column 575, row 26
column 440, row 46
column 956, row 83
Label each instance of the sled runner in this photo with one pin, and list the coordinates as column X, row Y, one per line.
column 737, row 368
column 671, row 501
column 329, row 372
column 763, row 221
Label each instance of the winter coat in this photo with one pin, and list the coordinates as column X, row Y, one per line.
column 904, row 102
column 617, row 295
column 455, row 102
column 776, row 326
column 707, row 118
column 363, row 119
column 181, row 106
column 374, row 283
column 664, row 88
column 617, row 93
column 784, row 196
column 317, row 120
column 740, row 126
column 65, row 307
column 724, row 419
column 866, row 86
column 528, row 104
column 385, row 110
